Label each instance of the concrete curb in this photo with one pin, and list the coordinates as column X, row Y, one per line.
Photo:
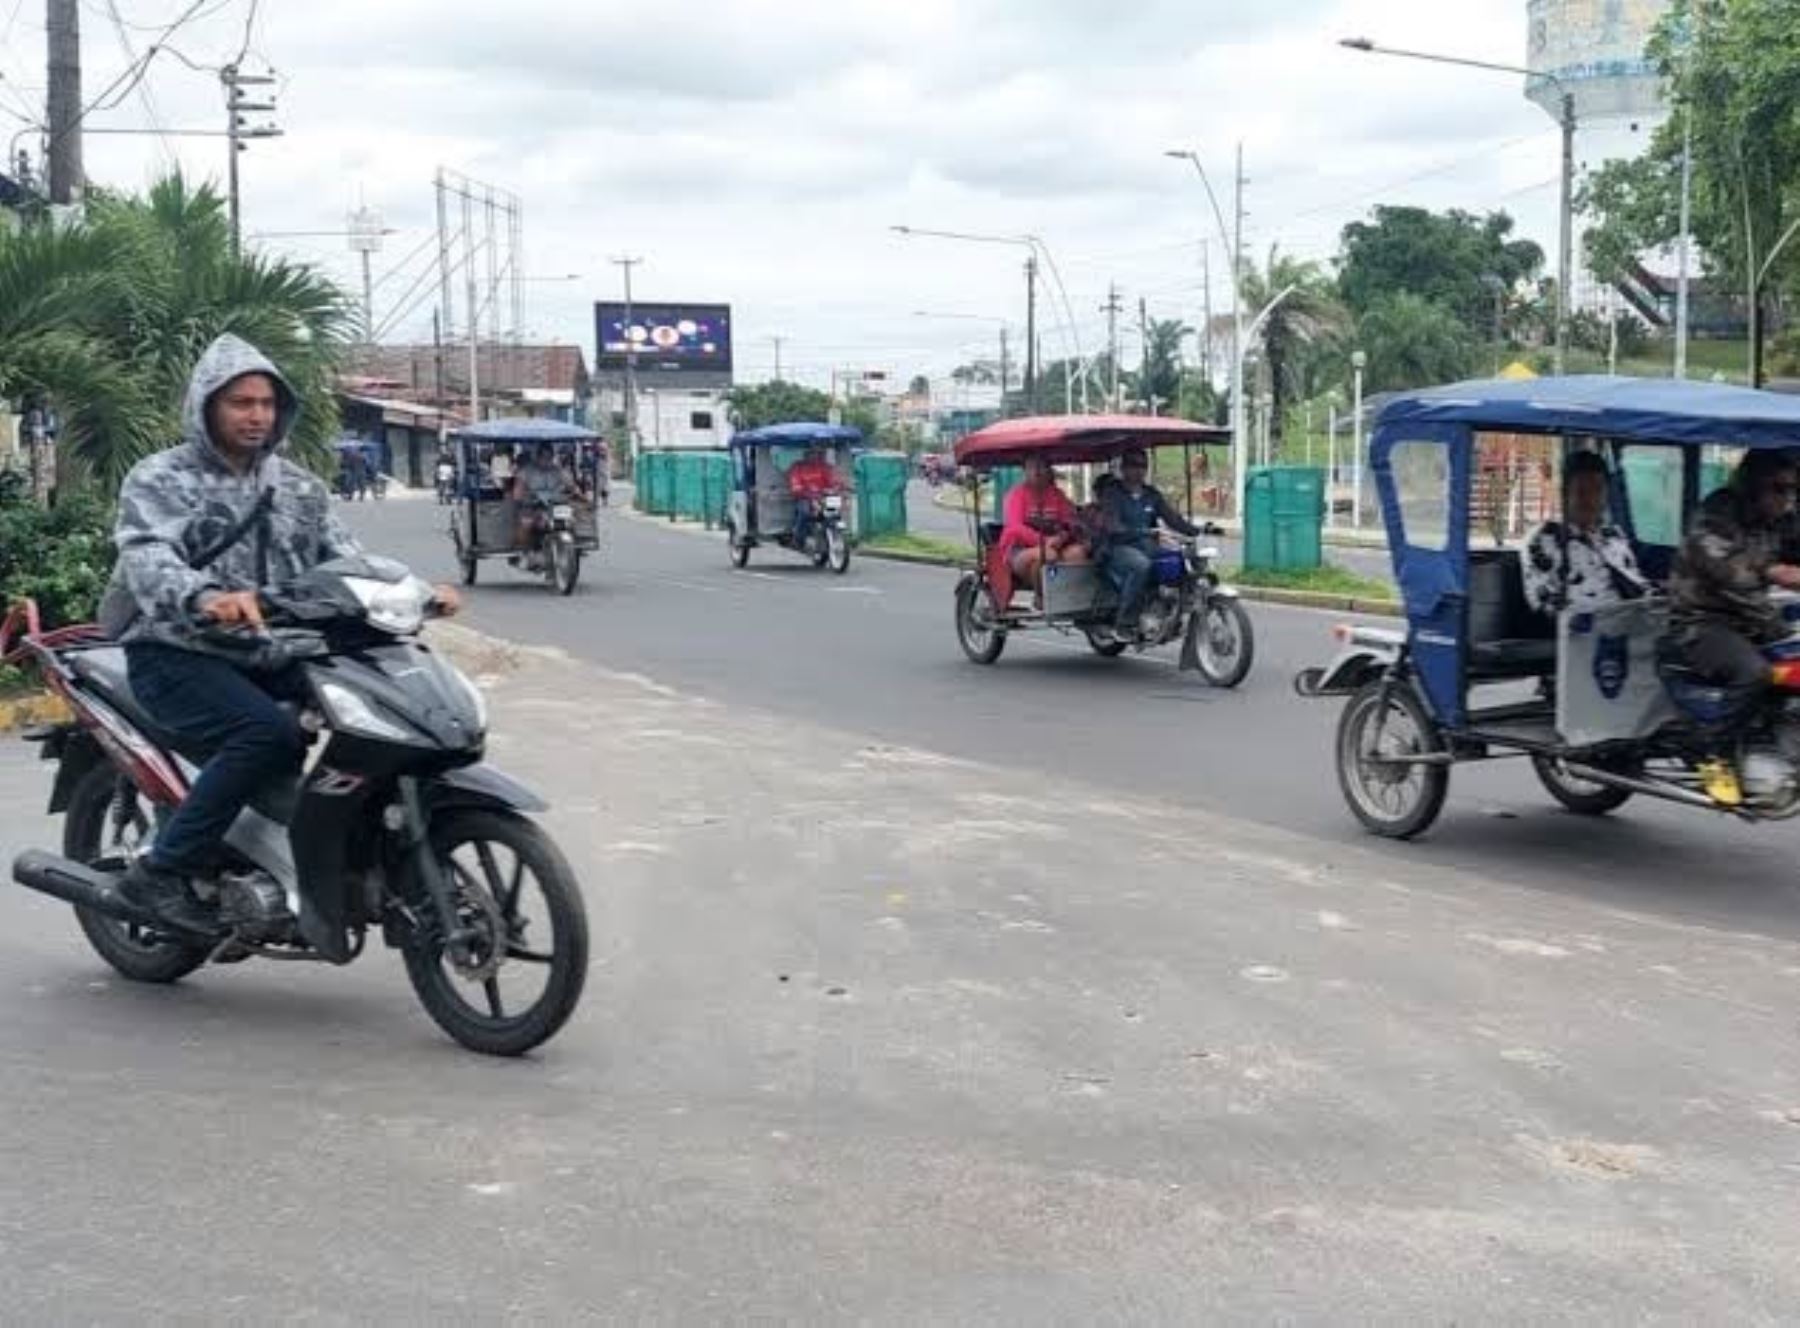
column 33, row 708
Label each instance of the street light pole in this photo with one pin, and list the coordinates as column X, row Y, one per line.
column 1233, row 238
column 1566, row 118
column 1359, row 361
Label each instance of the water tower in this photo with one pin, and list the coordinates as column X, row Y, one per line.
column 1595, row 50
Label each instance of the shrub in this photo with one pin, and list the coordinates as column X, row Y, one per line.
column 60, row 556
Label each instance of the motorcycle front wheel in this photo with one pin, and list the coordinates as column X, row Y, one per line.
column 565, row 566
column 516, row 985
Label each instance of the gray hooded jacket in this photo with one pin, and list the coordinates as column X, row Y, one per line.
column 179, row 503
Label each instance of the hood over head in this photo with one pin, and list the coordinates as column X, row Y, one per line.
column 227, row 358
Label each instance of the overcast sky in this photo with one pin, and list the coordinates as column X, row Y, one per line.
column 757, row 152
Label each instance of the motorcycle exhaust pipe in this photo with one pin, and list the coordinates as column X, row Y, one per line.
column 1649, row 788
column 74, row 884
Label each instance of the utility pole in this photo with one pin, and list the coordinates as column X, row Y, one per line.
column 238, row 134
column 1240, row 443
column 1111, row 309
column 468, row 226
column 1206, row 311
column 437, row 355
column 1566, row 265
column 1005, row 371
column 443, row 222
column 1144, row 368
column 631, row 421
column 62, row 26
column 778, row 341
column 1031, row 344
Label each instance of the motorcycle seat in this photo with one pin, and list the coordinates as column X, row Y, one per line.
column 104, row 667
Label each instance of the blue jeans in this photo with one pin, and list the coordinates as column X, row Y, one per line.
column 1128, row 568
column 254, row 743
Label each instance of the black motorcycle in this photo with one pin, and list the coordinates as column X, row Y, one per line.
column 396, row 826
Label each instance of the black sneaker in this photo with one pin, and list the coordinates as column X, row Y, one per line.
column 166, row 894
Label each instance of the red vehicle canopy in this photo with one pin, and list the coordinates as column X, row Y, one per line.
column 1079, row 439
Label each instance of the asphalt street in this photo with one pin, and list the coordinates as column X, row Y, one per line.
column 874, row 653
column 874, row 1035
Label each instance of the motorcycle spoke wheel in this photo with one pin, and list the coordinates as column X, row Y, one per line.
column 519, row 976
column 95, row 836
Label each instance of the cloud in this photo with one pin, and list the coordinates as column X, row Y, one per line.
column 758, row 152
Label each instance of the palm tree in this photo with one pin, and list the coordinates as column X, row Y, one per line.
column 1414, row 342
column 1158, row 380
column 1305, row 323
column 103, row 321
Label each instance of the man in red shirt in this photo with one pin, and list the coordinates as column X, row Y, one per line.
column 810, row 479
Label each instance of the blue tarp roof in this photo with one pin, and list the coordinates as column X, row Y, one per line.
column 797, row 435
column 524, row 431
column 1661, row 410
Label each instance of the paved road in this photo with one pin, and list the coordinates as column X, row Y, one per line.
column 874, row 653
column 873, row 1036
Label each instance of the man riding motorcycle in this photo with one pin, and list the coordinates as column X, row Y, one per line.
column 539, row 486
column 810, row 480
column 203, row 528
column 1131, row 511
column 1741, row 543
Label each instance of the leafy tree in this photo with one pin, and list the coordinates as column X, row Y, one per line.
column 1308, row 320
column 862, row 413
column 979, row 372
column 1448, row 258
column 1736, row 63
column 920, row 386
column 1414, row 342
column 752, row 406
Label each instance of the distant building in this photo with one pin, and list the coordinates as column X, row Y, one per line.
column 549, row 381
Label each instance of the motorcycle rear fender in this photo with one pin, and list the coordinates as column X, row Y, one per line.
column 75, row 753
column 482, row 786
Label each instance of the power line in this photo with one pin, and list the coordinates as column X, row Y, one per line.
column 144, row 94
column 249, row 28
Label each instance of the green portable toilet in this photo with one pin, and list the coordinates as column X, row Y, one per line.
column 880, row 479
column 1284, row 518
column 1653, row 478
column 1001, row 480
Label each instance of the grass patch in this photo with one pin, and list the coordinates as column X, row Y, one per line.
column 1327, row 580
column 14, row 682
column 924, row 546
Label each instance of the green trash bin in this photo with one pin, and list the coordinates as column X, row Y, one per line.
column 1284, row 518
column 1001, row 480
column 880, row 480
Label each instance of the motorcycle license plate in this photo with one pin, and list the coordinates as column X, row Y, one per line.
column 562, row 513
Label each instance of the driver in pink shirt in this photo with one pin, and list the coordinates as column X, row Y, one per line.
column 1040, row 526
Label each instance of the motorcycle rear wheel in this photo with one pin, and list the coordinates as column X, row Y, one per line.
column 476, row 847
column 89, row 838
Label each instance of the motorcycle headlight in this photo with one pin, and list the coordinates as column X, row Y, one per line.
column 348, row 712
column 393, row 606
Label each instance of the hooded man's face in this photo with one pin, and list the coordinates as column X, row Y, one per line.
column 240, row 418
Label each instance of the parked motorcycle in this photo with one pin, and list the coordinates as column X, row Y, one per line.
column 397, row 828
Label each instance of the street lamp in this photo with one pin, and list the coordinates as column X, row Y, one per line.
column 1566, row 261
column 1234, row 245
column 1359, row 361
column 1035, row 246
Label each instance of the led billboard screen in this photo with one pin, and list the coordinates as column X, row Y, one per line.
column 666, row 337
